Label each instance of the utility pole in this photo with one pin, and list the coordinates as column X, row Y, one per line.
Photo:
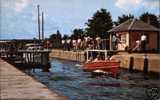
column 39, row 33
column 42, row 26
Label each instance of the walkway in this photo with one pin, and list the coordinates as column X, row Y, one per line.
column 16, row 85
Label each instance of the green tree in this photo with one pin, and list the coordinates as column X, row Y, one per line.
column 123, row 18
column 151, row 19
column 55, row 39
column 99, row 24
column 77, row 33
column 65, row 36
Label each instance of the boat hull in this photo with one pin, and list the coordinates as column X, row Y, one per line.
column 107, row 66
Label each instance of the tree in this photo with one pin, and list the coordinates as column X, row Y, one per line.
column 55, row 39
column 65, row 36
column 99, row 24
column 151, row 19
column 77, row 33
column 123, row 18
column 55, row 36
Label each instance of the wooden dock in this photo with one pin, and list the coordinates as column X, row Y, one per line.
column 16, row 85
column 27, row 58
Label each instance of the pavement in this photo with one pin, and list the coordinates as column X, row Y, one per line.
column 17, row 85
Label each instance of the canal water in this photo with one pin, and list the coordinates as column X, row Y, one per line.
column 67, row 78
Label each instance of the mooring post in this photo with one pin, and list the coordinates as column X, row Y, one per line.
column 131, row 64
column 46, row 64
column 145, row 67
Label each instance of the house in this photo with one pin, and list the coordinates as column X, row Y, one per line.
column 131, row 30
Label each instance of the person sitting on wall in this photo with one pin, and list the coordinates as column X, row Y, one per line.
column 137, row 47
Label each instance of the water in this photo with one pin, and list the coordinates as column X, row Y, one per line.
column 69, row 80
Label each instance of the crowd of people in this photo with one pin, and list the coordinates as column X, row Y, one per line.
column 81, row 43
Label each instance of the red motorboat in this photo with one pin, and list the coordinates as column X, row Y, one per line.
column 109, row 66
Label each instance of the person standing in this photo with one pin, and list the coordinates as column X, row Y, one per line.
column 114, row 40
column 98, row 41
column 68, row 44
column 78, row 43
column 143, row 42
column 74, row 44
column 63, row 44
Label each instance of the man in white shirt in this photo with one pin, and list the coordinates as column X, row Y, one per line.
column 63, row 43
column 143, row 42
column 143, row 37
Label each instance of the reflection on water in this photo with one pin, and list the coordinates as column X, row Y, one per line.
column 69, row 80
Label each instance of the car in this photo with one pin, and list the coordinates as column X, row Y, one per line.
column 33, row 46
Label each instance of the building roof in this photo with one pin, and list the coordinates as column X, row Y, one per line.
column 134, row 25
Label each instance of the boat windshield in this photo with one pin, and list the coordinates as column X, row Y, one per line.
column 95, row 55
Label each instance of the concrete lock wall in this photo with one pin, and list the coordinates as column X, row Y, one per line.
column 138, row 59
column 68, row 55
column 138, row 63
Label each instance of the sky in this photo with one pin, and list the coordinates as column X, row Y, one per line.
column 18, row 18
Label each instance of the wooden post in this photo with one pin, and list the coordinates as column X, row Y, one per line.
column 30, row 57
column 27, row 57
column 110, row 41
column 33, row 57
column 145, row 67
column 87, row 53
column 131, row 64
column 46, row 65
column 106, row 54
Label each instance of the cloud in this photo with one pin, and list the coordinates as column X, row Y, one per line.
column 21, row 4
column 152, row 4
column 120, row 4
column 127, row 5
